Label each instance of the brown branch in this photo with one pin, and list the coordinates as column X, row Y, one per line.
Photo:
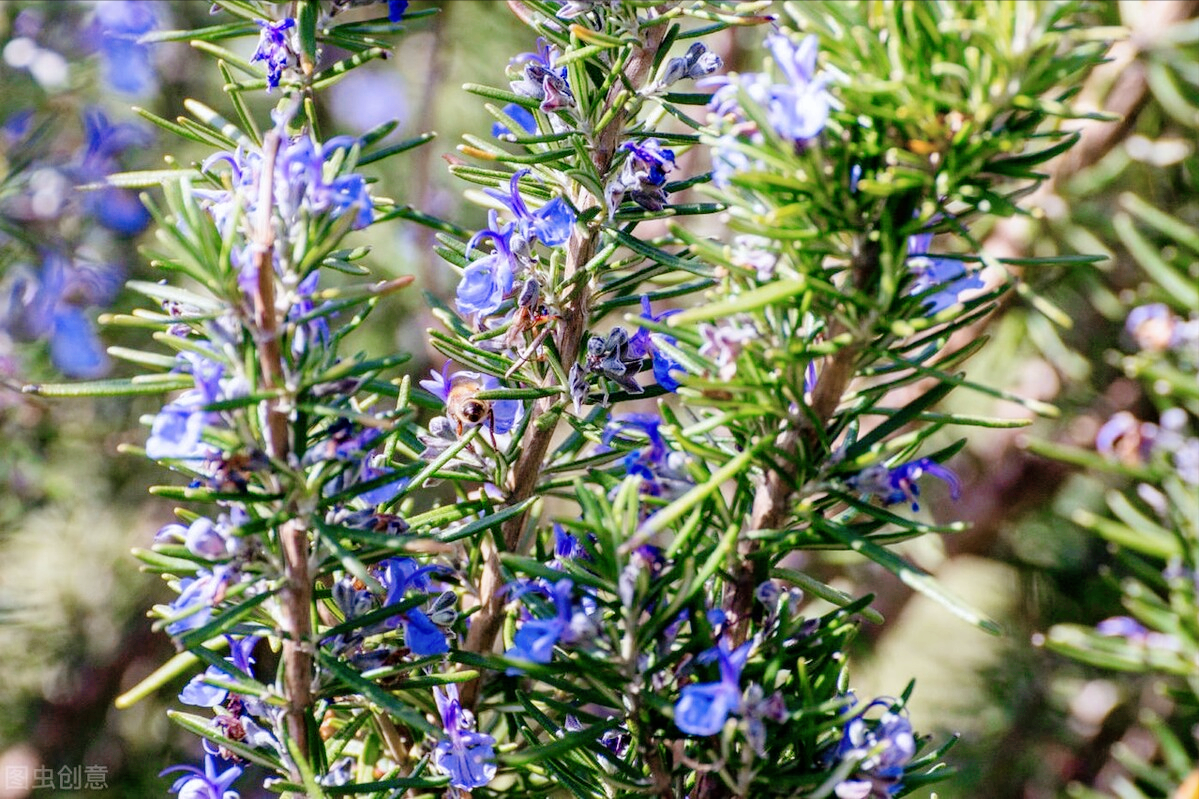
column 526, row 472
column 293, row 534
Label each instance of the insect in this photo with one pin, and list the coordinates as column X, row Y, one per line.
column 465, row 409
column 531, row 313
column 232, row 473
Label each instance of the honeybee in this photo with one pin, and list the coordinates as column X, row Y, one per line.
column 465, row 409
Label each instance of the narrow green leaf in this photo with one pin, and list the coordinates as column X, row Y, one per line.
column 356, row 683
column 911, row 576
column 147, row 384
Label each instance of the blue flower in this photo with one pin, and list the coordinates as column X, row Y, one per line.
column 879, row 748
column 396, row 9
column 504, row 413
column 536, row 639
column 521, row 116
column 703, row 708
column 644, row 343
column 949, row 276
column 201, row 694
column 124, row 62
column 898, row 484
column 177, row 431
column 642, row 177
column 274, row 49
column 467, row 756
column 314, row 332
column 420, row 634
column 797, row 110
column 207, row 784
column 662, row 470
column 193, row 607
column 487, row 281
column 551, row 224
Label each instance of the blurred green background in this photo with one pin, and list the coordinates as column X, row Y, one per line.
column 73, row 631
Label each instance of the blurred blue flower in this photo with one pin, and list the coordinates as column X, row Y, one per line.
column 49, row 304
column 396, row 9
column 275, row 49
column 880, row 749
column 125, row 64
column 119, row 210
column 798, row 109
column 703, row 708
column 948, row 275
column 521, row 116
column 467, row 756
column 211, row 783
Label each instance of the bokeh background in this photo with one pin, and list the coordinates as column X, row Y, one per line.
column 73, row 629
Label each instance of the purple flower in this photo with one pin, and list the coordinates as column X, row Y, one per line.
column 798, row 109
column 697, row 63
column 504, row 413
column 642, row 177
column 1154, row 327
column 723, row 344
column 521, row 116
column 948, row 275
column 898, row 484
column 662, row 470
column 542, row 79
column 275, row 49
column 551, row 224
column 207, row 784
column 467, row 756
column 125, row 63
column 1125, row 438
column 703, row 708
column 193, row 607
column 314, row 331
column 879, row 749
column 644, row 343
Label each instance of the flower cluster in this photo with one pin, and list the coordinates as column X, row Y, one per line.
column 542, row 79
column 797, row 109
column 487, row 282
column 663, row 471
column 879, row 749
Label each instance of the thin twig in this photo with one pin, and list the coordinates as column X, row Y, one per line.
column 293, row 534
column 575, row 312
